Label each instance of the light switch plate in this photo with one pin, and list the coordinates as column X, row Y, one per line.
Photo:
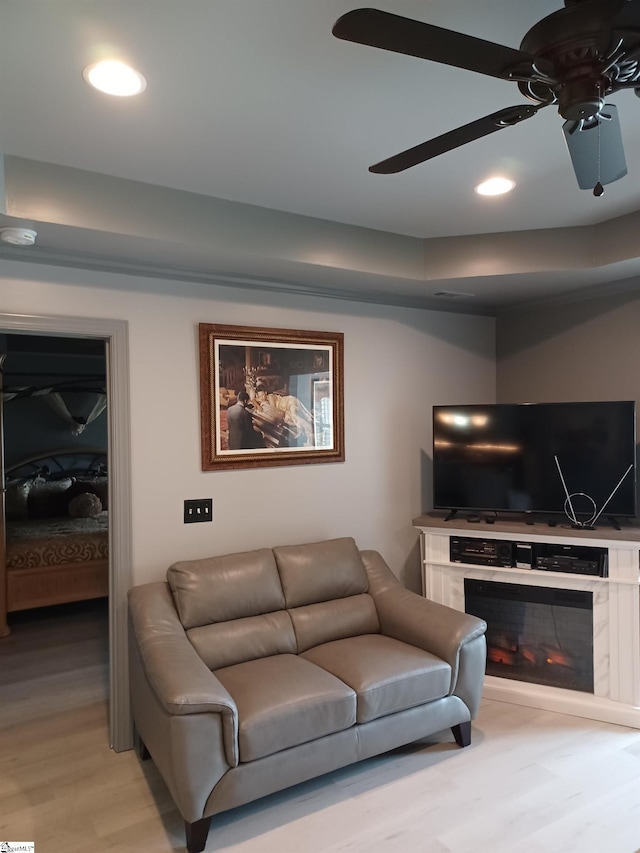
column 198, row 510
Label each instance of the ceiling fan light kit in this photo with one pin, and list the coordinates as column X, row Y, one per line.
column 597, row 152
column 574, row 58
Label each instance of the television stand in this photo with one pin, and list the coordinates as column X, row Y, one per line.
column 613, row 521
column 498, row 555
column 560, row 521
column 471, row 517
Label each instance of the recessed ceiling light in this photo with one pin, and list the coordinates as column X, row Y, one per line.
column 114, row 78
column 495, row 186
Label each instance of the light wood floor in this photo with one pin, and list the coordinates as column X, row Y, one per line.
column 531, row 782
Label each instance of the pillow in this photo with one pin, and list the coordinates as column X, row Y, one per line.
column 98, row 487
column 47, row 498
column 101, row 489
column 86, row 505
column 16, row 498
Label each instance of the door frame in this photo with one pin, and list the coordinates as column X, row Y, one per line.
column 115, row 334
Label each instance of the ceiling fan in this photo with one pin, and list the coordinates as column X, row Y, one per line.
column 574, row 58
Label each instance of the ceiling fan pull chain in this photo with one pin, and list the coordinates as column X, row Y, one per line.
column 598, row 190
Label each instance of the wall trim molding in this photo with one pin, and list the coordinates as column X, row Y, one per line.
column 115, row 333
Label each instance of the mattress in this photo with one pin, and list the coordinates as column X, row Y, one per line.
column 56, row 541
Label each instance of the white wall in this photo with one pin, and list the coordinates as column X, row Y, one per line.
column 398, row 363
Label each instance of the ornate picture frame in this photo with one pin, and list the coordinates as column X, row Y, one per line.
column 270, row 397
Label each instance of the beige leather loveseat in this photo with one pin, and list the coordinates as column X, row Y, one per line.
column 255, row 671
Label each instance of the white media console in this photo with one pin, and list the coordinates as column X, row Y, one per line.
column 615, row 601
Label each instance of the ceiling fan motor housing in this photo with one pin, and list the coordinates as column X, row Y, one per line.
column 571, row 40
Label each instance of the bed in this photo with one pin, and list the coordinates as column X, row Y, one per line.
column 55, row 531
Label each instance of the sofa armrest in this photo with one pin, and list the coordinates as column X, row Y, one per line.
column 181, row 681
column 415, row 620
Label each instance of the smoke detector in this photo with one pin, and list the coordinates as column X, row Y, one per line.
column 18, row 236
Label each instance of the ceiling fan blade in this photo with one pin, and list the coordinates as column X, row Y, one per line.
column 597, row 153
column 454, row 139
column 425, row 41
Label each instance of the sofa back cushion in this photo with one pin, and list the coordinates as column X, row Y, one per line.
column 315, row 624
column 256, row 604
column 320, row 571
column 326, row 590
column 228, row 643
column 219, row 589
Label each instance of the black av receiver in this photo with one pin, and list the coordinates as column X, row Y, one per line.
column 575, row 559
column 484, row 552
column 551, row 557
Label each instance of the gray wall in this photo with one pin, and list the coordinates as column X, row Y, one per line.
column 588, row 350
column 398, row 363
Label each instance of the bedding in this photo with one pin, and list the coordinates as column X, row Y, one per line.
column 56, row 532
column 54, row 541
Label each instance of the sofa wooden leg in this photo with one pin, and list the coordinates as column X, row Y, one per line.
column 196, row 833
column 141, row 749
column 462, row 733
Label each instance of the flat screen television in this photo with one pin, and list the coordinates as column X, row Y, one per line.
column 514, row 458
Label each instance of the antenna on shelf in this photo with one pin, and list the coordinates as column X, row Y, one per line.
column 619, row 483
column 571, row 515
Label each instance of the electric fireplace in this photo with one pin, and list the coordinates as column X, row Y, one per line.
column 536, row 634
column 583, row 657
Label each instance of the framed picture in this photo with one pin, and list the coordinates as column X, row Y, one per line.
column 270, row 397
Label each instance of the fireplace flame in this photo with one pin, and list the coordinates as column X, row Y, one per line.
column 496, row 654
column 556, row 657
column 511, row 654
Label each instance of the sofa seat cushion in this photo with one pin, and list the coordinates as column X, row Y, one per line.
column 284, row 701
column 386, row 674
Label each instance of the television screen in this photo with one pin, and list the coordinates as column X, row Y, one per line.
column 514, row 457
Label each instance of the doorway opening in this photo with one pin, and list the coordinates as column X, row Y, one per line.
column 112, row 335
column 55, row 562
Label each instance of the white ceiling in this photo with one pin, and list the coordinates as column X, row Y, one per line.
column 255, row 102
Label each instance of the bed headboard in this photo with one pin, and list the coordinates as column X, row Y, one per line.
column 82, row 464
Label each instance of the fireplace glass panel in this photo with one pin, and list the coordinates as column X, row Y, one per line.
column 535, row 634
